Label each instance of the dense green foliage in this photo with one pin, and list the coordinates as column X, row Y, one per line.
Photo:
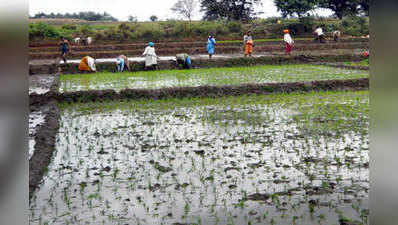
column 89, row 15
column 295, row 7
column 229, row 9
column 174, row 30
column 340, row 8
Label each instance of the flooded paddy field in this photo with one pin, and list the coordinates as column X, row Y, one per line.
column 200, row 77
column 36, row 119
column 266, row 159
column 41, row 84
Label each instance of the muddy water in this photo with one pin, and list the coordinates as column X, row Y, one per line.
column 40, row 84
column 208, row 164
column 35, row 119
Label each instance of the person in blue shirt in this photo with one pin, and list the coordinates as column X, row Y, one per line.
column 211, row 41
column 183, row 60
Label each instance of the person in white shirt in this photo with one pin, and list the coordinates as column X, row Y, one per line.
column 336, row 35
column 288, row 41
column 319, row 35
column 150, row 57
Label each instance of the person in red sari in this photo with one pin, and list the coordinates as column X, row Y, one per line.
column 288, row 42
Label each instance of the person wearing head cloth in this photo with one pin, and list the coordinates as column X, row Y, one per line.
column 87, row 64
column 288, row 41
column 211, row 41
column 248, row 43
column 150, row 56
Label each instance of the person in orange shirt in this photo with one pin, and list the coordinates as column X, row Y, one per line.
column 248, row 44
column 87, row 64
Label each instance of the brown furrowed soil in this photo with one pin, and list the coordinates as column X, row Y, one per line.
column 107, row 51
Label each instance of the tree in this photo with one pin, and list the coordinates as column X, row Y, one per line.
column 185, row 8
column 132, row 18
column 229, row 9
column 153, row 18
column 295, row 7
column 364, row 6
column 341, row 7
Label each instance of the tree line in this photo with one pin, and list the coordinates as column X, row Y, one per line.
column 89, row 16
column 340, row 8
column 244, row 10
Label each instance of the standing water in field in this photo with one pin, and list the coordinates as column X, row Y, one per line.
column 201, row 77
column 269, row 159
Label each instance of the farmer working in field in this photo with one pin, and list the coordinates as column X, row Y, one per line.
column 64, row 47
column 288, row 41
column 248, row 44
column 87, row 64
column 336, row 35
column 150, row 57
column 183, row 60
column 211, row 41
column 319, row 35
column 122, row 63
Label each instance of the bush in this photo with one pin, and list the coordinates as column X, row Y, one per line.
column 69, row 27
column 42, row 30
column 86, row 30
column 234, row 27
column 355, row 26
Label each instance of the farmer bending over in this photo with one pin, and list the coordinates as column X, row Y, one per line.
column 336, row 35
column 183, row 60
column 122, row 63
column 87, row 64
column 319, row 35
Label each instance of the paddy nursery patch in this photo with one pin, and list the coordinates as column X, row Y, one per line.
column 203, row 77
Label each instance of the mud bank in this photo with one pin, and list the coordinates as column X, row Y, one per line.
column 44, row 145
column 106, row 52
column 343, row 66
column 212, row 91
column 54, row 44
column 197, row 62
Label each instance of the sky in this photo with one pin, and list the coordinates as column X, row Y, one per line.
column 142, row 9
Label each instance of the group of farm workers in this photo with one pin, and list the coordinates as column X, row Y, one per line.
column 184, row 60
column 87, row 63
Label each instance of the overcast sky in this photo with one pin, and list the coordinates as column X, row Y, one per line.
column 121, row 9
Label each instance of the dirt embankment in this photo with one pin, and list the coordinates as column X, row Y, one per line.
column 45, row 144
column 183, row 45
column 343, row 66
column 206, row 91
column 102, row 52
column 204, row 63
column 47, row 44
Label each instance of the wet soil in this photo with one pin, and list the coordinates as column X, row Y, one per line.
column 109, row 53
column 44, row 139
column 250, row 163
column 202, row 61
column 41, row 84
